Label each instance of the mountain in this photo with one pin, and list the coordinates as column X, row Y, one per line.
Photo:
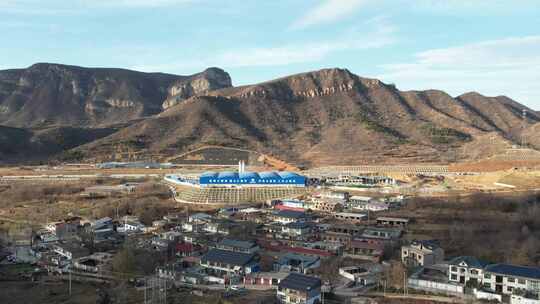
column 45, row 94
column 330, row 116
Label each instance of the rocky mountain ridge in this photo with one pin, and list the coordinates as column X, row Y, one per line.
column 55, row 95
column 329, row 116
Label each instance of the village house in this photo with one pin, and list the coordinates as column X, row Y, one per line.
column 350, row 217
column 422, row 253
column 220, row 226
column 199, row 217
column 326, row 205
column 292, row 262
column 505, row 278
column 334, row 195
column 247, row 247
column 366, row 249
column 392, row 221
column 70, row 251
column 222, row 263
column 466, row 270
column 298, row 288
column 293, row 205
column 364, row 275
column 271, row 279
column 289, row 216
column 130, row 224
column 388, row 234
column 298, row 230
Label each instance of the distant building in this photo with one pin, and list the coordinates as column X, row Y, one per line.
column 297, row 229
column 335, row 195
column 371, row 250
column 226, row 263
column 358, row 180
column 422, row 253
column 248, row 247
column 292, row 262
column 288, row 216
column 327, row 205
column 350, row 217
column 298, row 288
column 388, row 234
column 392, row 221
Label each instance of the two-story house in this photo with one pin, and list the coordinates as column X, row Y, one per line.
column 466, row 270
column 505, row 279
column 298, row 288
column 422, row 253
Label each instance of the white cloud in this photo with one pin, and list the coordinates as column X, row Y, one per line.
column 328, row 11
column 508, row 66
column 372, row 34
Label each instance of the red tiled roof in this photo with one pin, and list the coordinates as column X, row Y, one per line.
column 282, row 207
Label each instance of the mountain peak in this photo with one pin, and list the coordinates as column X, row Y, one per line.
column 209, row 80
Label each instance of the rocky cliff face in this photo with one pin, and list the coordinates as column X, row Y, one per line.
column 53, row 94
column 199, row 84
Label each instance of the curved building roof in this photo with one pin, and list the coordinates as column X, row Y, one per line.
column 245, row 176
column 248, row 175
column 268, row 175
column 228, row 174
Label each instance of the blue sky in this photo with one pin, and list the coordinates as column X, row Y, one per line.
column 489, row 46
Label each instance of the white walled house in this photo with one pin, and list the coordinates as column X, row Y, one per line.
column 466, row 269
column 507, row 279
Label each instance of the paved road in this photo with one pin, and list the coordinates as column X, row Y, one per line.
column 439, row 299
column 72, row 177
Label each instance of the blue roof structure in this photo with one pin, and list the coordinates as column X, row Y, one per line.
column 290, row 214
column 228, row 257
column 300, row 282
column 252, row 178
column 470, row 261
column 517, row 271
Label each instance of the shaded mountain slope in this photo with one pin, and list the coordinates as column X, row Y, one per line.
column 26, row 145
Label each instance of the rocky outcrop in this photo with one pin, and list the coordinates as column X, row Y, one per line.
column 199, row 84
column 309, row 85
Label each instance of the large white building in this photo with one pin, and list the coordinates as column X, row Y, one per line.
column 505, row 279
